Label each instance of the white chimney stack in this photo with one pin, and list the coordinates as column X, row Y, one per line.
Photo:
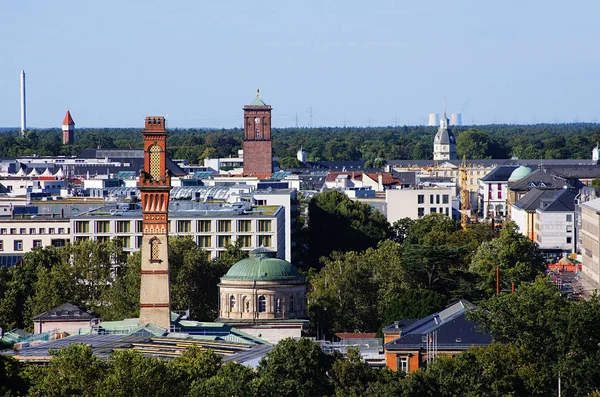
column 23, row 119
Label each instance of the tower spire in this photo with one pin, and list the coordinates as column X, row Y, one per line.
column 257, row 92
column 444, row 105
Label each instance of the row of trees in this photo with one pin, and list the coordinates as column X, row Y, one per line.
column 101, row 277
column 374, row 145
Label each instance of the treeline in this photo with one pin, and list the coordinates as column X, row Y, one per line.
column 549, row 141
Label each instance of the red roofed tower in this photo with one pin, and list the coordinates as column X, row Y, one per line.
column 155, row 187
column 258, row 145
column 68, row 129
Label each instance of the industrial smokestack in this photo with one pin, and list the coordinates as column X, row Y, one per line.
column 433, row 119
column 456, row 119
column 23, row 118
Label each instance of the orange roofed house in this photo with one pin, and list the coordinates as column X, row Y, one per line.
column 411, row 343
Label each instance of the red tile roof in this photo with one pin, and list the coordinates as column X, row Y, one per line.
column 332, row 176
column 387, row 179
column 68, row 119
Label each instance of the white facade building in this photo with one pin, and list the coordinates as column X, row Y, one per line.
column 416, row 203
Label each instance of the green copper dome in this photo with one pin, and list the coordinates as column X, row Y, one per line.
column 262, row 265
column 520, row 173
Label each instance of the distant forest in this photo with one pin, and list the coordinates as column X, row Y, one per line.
column 374, row 144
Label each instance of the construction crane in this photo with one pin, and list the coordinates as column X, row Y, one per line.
column 464, row 194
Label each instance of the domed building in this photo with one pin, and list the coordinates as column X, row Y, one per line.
column 264, row 296
column 519, row 173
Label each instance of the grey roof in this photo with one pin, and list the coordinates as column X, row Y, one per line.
column 454, row 331
column 555, row 163
column 538, row 178
column 66, row 312
column 445, row 136
column 500, row 173
column 563, row 201
column 133, row 157
column 531, row 200
column 594, row 205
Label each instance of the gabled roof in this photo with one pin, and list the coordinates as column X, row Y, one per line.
column 500, row 173
column 68, row 120
column 538, row 178
column 66, row 312
column 453, row 330
column 355, row 176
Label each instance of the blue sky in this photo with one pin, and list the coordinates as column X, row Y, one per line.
column 112, row 62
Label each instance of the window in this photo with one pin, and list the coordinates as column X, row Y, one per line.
column 123, row 227
column 1, row 245
column 103, row 227
column 224, row 226
column 139, row 226
column 204, row 241
column 437, row 198
column 52, row 230
column 569, row 240
column 291, row 304
column 432, row 210
column 232, row 303
column 204, row 226
column 431, row 199
column 445, row 199
column 244, row 226
column 42, row 230
column 184, row 226
column 140, row 240
column 22, row 231
column 37, row 243
column 18, row 245
column 155, row 249
column 264, row 226
column 403, row 364
column 3, row 230
column 57, row 242
column 421, row 212
column 32, row 230
column 264, row 241
column 569, row 228
column 447, row 211
column 82, row 227
column 499, row 194
column 125, row 241
column 224, row 241
column 569, row 218
column 420, row 199
column 61, row 230
column 245, row 241
column 499, row 186
column 278, row 306
column 262, row 304
column 103, row 239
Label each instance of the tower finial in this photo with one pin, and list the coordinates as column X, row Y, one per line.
column 257, row 91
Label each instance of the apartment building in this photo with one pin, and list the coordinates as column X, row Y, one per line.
column 555, row 223
column 590, row 241
column 22, row 234
column 416, row 203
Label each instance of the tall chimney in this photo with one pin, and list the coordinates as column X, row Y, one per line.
column 23, row 118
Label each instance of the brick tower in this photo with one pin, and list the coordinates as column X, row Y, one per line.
column 258, row 145
column 155, row 186
column 68, row 129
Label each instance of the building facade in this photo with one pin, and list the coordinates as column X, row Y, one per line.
column 257, row 142
column 590, row 241
column 416, row 203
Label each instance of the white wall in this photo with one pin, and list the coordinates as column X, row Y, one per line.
column 404, row 203
column 552, row 230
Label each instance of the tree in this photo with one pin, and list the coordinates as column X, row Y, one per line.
column 290, row 162
column 295, row 368
column 401, row 228
column 73, row 371
column 351, row 376
column 337, row 223
column 412, row 303
column 518, row 258
column 232, row 379
column 11, row 381
column 192, row 367
column 432, row 229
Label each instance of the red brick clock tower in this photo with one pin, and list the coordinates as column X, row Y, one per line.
column 258, row 145
column 155, row 186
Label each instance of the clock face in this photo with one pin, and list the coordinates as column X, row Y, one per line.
column 257, row 120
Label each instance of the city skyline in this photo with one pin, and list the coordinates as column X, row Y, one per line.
column 319, row 64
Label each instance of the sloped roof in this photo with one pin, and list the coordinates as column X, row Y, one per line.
column 68, row 120
column 66, row 312
column 531, row 200
column 500, row 173
column 332, row 176
column 563, row 201
column 538, row 178
column 454, row 331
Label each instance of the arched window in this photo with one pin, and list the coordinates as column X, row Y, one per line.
column 246, row 304
column 155, row 161
column 262, row 304
column 291, row 304
column 154, row 249
column 278, row 306
column 232, row 303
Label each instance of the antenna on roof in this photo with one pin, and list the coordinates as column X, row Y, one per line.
column 444, row 105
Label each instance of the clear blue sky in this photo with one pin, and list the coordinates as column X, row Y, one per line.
column 112, row 62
